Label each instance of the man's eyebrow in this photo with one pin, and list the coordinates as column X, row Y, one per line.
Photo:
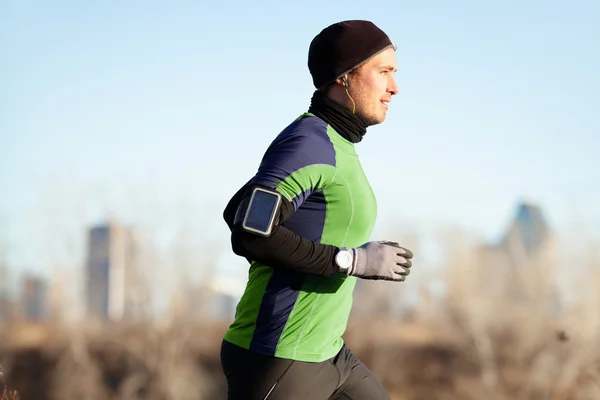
column 389, row 68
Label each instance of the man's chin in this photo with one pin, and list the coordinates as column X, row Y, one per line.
column 371, row 119
column 374, row 120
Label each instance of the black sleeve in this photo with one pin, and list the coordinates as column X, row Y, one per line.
column 232, row 205
column 283, row 248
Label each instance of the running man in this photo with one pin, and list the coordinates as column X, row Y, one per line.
column 304, row 222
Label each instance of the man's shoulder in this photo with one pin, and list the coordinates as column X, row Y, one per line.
column 303, row 142
column 305, row 128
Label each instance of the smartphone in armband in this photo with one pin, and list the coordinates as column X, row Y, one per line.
column 262, row 210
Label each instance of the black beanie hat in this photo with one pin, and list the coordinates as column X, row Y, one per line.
column 342, row 47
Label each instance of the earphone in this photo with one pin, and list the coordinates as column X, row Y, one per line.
column 345, row 81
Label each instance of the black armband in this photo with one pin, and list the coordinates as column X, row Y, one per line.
column 259, row 212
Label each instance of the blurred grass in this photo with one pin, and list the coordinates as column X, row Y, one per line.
column 414, row 360
column 5, row 392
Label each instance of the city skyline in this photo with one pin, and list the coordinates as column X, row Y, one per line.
column 117, row 280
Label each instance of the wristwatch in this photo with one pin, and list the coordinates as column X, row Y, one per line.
column 344, row 259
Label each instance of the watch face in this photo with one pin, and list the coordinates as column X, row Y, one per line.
column 344, row 259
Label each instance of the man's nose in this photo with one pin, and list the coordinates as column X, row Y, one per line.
column 393, row 86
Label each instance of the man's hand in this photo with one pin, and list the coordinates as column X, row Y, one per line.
column 381, row 260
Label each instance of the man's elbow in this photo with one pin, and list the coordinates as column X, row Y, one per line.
column 241, row 244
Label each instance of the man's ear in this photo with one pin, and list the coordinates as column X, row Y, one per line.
column 343, row 81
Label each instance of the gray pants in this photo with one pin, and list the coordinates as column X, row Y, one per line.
column 252, row 376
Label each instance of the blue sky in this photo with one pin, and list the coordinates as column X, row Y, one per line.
column 157, row 112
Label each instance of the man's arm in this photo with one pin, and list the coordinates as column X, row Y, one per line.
column 278, row 172
column 284, row 248
column 233, row 204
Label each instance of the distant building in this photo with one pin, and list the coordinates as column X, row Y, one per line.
column 5, row 304
column 225, row 295
column 114, row 285
column 521, row 265
column 528, row 234
column 215, row 298
column 34, row 299
column 5, row 308
column 5, row 298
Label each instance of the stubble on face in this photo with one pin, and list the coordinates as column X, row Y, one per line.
column 372, row 86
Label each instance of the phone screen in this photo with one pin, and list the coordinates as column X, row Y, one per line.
column 261, row 210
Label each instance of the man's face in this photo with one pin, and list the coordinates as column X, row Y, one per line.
column 373, row 85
